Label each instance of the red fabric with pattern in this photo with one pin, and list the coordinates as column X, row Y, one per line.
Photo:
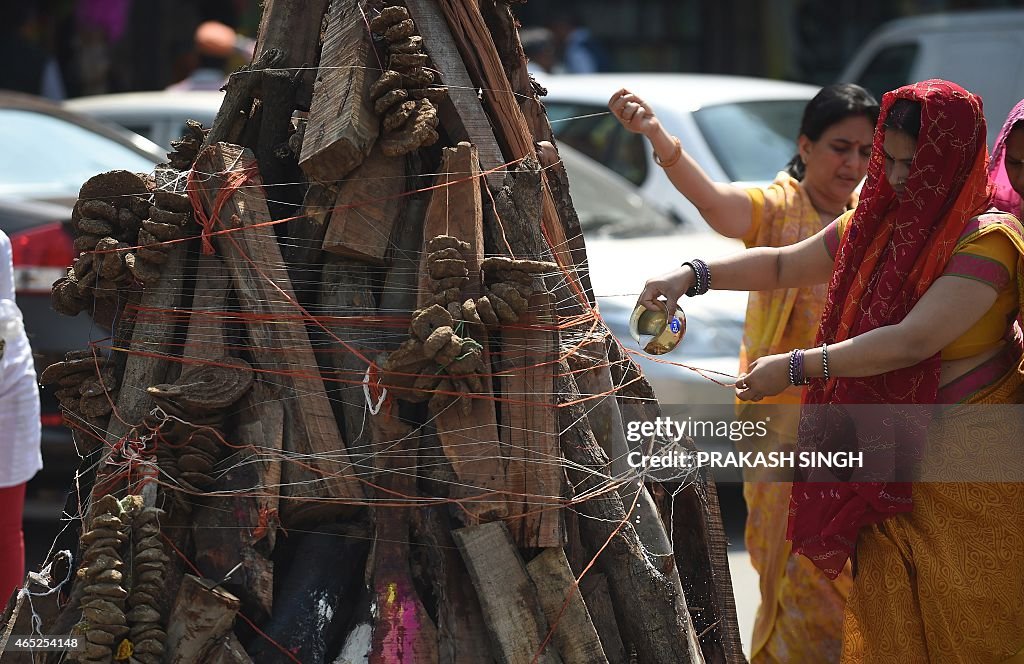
column 893, row 251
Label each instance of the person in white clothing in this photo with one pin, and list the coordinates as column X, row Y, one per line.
column 20, row 429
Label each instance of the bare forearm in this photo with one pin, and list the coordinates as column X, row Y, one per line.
column 726, row 208
column 876, row 352
column 751, row 270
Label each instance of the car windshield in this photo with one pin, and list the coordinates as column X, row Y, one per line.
column 45, row 155
column 752, row 140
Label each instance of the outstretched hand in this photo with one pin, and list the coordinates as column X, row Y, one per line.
column 671, row 286
column 634, row 113
column 767, row 376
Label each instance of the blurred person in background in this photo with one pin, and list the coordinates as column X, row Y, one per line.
column 30, row 67
column 215, row 44
column 539, row 47
column 580, row 52
column 1006, row 169
column 801, row 612
column 20, row 428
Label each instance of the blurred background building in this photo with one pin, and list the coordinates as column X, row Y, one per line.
column 100, row 46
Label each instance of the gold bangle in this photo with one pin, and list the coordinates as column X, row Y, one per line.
column 676, row 155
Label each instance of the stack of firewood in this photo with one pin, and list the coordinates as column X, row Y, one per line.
column 359, row 407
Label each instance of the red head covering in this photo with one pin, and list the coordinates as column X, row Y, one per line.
column 894, row 249
column 1004, row 197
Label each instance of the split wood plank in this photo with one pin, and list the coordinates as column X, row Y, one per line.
column 223, row 534
column 470, row 440
column 369, row 202
column 204, row 341
column 574, row 632
column 202, row 614
column 462, row 635
column 342, row 126
column 279, row 341
column 507, row 595
column 462, row 101
column 530, row 426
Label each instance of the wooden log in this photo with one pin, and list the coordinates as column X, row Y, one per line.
column 204, row 340
column 530, row 426
column 699, row 541
column 242, row 87
column 470, row 439
column 227, row 650
column 597, row 597
column 461, row 113
column 342, row 125
column 507, row 596
column 306, row 234
column 346, row 293
column 475, row 44
column 462, row 636
column 313, row 604
column 594, row 378
column 147, row 364
column 202, row 614
column 368, row 204
column 504, row 28
column 224, row 525
column 403, row 632
column 236, row 526
column 574, row 633
column 279, row 342
column 292, row 27
column 649, row 606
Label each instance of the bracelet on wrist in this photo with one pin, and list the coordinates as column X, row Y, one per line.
column 797, row 368
column 677, row 154
column 702, row 277
column 824, row 360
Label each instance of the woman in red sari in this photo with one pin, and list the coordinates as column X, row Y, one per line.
column 924, row 290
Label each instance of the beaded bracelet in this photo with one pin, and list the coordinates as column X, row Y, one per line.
column 824, row 360
column 702, row 274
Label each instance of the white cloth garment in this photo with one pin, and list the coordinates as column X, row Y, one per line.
column 20, row 457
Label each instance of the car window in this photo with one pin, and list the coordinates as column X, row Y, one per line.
column 752, row 140
column 889, row 69
column 596, row 133
column 44, row 154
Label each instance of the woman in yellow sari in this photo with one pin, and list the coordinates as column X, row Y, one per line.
column 925, row 284
column 800, row 615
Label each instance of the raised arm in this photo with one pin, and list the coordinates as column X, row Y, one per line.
column 805, row 263
column 726, row 208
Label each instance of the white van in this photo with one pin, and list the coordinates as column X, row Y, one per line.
column 981, row 50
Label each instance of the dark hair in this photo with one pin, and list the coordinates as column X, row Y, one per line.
column 832, row 104
column 904, row 115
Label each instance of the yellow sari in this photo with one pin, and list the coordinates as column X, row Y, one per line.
column 945, row 582
column 801, row 613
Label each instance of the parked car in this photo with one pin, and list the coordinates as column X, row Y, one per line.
column 48, row 154
column 740, row 130
column 979, row 50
